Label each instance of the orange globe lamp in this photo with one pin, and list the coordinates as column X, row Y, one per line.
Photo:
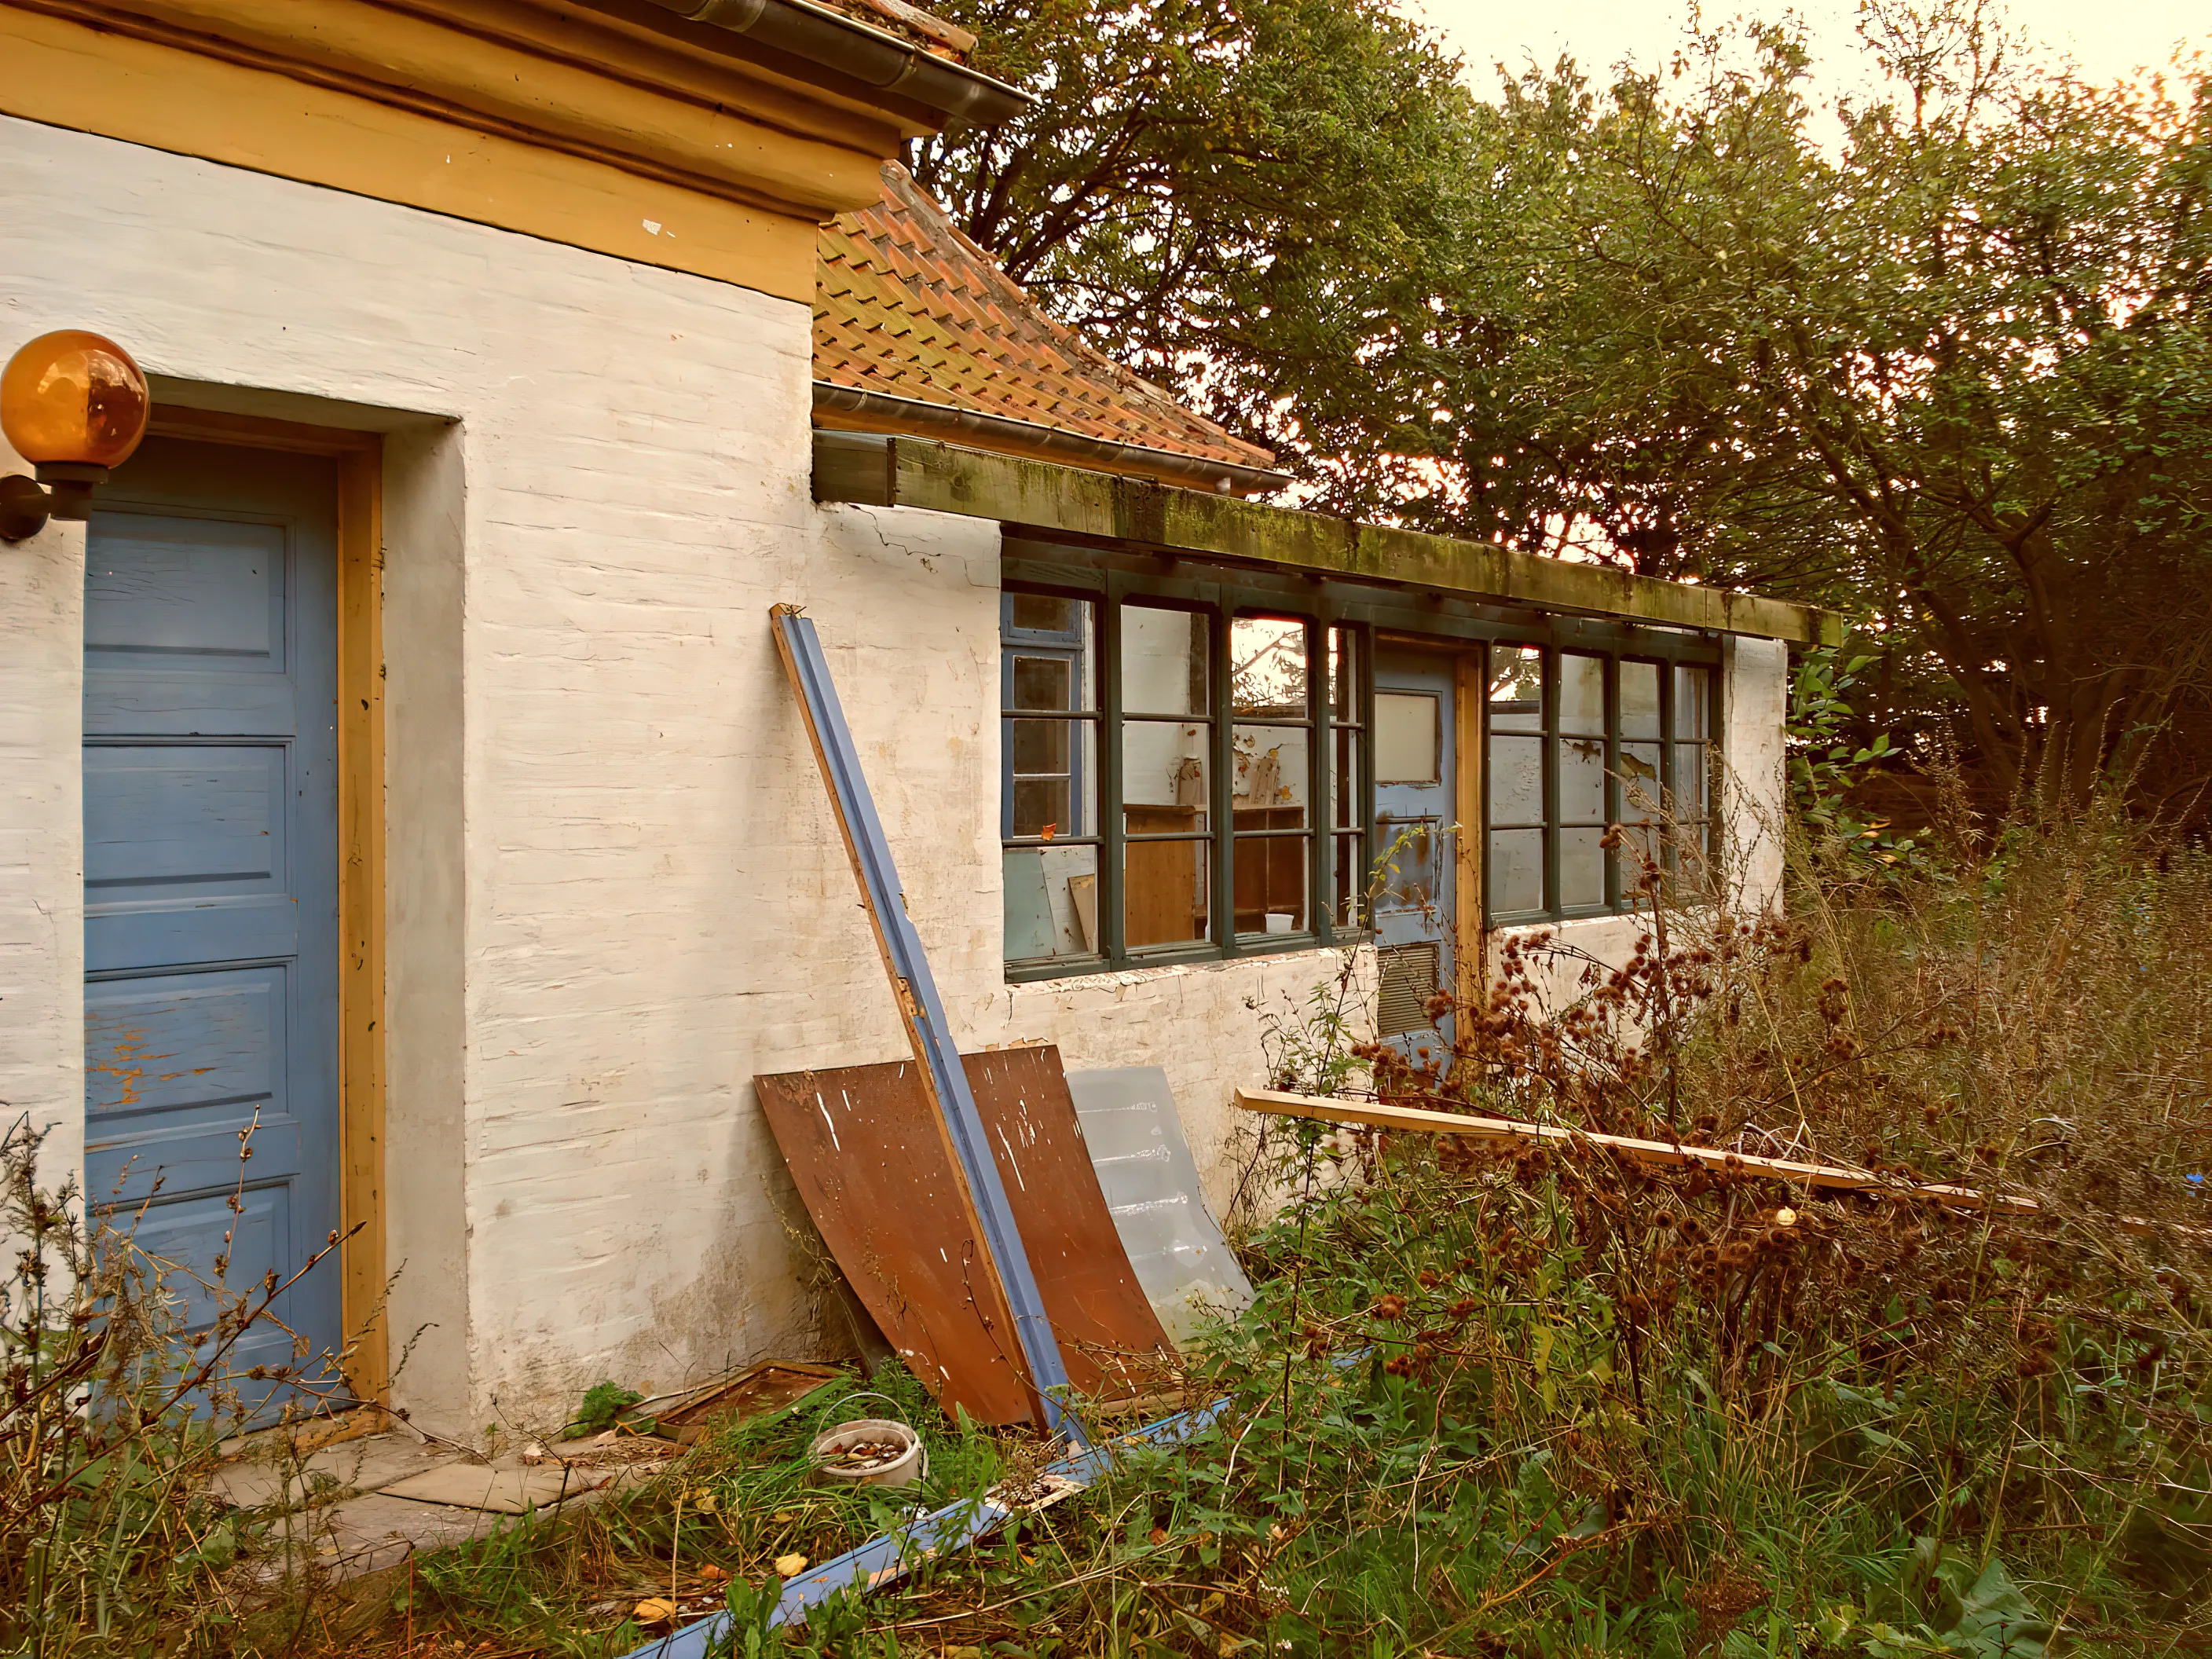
column 75, row 406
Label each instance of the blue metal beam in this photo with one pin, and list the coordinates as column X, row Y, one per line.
column 916, row 990
column 890, row 1556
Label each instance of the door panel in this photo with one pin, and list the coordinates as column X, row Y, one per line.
column 210, row 810
column 1415, row 798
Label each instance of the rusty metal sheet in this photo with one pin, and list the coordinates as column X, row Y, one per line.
column 1110, row 1337
column 872, row 1166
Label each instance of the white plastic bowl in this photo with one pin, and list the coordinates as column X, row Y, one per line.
column 901, row 1471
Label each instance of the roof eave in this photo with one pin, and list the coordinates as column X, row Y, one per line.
column 992, row 431
column 1046, row 499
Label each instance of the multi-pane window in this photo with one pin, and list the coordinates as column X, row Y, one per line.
column 1048, row 812
column 1343, row 782
column 1271, row 702
column 1188, row 772
column 1167, row 776
column 1232, row 815
column 1577, row 741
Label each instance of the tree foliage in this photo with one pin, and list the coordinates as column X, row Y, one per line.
column 1942, row 356
column 1259, row 203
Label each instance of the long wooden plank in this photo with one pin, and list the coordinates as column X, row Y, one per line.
column 1833, row 1176
column 982, row 1194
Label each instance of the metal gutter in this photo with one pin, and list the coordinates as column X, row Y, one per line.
column 1223, row 478
column 874, row 57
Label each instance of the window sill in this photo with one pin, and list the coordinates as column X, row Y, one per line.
column 1282, row 944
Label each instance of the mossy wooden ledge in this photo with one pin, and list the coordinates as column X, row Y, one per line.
column 1041, row 497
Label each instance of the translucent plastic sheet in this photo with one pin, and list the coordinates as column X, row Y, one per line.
column 1145, row 1168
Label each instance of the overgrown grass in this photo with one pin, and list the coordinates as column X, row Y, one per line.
column 1551, row 1403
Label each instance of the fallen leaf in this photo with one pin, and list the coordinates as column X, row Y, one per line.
column 1159, row 1536
column 713, row 1574
column 657, row 1610
column 782, row 1515
column 791, row 1565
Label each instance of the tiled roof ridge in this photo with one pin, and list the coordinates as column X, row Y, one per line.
column 908, row 304
column 925, row 206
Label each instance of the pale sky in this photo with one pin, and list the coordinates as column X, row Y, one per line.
column 2106, row 38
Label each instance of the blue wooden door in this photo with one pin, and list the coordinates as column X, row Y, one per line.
column 210, row 876
column 1415, row 792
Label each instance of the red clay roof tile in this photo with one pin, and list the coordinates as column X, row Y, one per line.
column 907, row 306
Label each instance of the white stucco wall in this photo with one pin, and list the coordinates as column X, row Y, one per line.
column 615, row 895
column 616, row 890
column 41, row 831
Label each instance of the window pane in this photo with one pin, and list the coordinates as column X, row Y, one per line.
column 1050, row 778
column 1163, row 886
column 1162, row 661
column 1639, row 782
column 1051, row 903
column 1691, row 860
column 1694, row 702
column 1347, row 880
column 1267, row 667
column 1271, row 883
column 1344, row 675
column 1517, row 871
column 1686, row 781
column 1582, row 694
column 1039, row 745
column 1041, row 613
column 1517, row 779
column 1582, row 781
column 1344, row 777
column 1165, row 776
column 1408, row 852
column 1639, row 699
column 1043, row 683
column 1271, row 774
column 1582, row 869
column 1040, row 807
column 1637, row 845
column 1407, row 736
column 1516, row 688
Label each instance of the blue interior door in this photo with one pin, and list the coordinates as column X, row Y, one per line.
column 1415, row 792
column 210, row 868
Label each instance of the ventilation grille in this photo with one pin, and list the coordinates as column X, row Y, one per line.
column 1409, row 979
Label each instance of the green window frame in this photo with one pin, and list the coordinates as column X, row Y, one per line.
column 1576, row 739
column 1228, row 730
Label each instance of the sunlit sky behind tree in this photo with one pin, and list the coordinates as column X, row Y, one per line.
column 2107, row 39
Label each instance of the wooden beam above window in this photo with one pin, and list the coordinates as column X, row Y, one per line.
column 1046, row 499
